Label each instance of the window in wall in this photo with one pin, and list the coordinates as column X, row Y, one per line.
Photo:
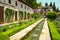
column 21, row 6
column 10, row 1
column 16, row 3
column 25, row 7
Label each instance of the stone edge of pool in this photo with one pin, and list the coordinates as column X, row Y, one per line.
column 23, row 32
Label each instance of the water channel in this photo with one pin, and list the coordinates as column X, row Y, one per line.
column 35, row 33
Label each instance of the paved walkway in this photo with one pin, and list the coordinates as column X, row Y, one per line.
column 45, row 35
column 22, row 33
column 8, row 23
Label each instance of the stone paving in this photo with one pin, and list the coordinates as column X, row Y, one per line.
column 8, row 23
column 22, row 33
column 45, row 35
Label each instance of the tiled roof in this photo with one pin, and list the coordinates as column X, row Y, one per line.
column 44, row 7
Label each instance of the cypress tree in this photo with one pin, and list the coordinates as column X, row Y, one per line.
column 46, row 4
column 54, row 7
column 50, row 4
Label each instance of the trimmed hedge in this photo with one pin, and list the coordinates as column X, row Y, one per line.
column 51, row 15
column 54, row 33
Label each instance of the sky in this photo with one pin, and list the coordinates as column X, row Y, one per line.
column 57, row 2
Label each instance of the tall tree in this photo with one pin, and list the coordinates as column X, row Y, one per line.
column 54, row 7
column 57, row 10
column 50, row 4
column 46, row 4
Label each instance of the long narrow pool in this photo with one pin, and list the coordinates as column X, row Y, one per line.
column 35, row 33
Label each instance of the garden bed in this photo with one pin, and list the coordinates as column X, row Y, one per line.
column 12, row 29
column 54, row 33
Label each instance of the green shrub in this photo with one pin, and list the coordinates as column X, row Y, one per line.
column 36, row 15
column 57, row 24
column 51, row 15
column 4, row 28
column 4, row 37
column 54, row 33
column 7, row 27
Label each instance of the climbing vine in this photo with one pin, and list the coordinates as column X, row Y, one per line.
column 20, row 15
column 28, row 15
column 9, row 14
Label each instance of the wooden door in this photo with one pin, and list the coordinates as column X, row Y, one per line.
column 1, row 14
column 15, row 15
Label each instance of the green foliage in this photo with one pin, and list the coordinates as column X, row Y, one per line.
column 4, row 28
column 7, row 27
column 57, row 10
column 54, row 33
column 36, row 15
column 46, row 4
column 54, row 7
column 40, row 4
column 16, row 29
column 28, row 15
column 51, row 15
column 33, row 3
column 4, row 37
column 50, row 4
column 20, row 15
column 9, row 13
column 57, row 25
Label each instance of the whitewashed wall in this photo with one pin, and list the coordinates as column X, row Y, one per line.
column 18, row 7
column 6, row 4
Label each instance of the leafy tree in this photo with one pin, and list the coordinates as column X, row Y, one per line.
column 40, row 4
column 46, row 4
column 33, row 3
column 50, row 4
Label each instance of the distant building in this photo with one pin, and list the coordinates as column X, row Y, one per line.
column 43, row 10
